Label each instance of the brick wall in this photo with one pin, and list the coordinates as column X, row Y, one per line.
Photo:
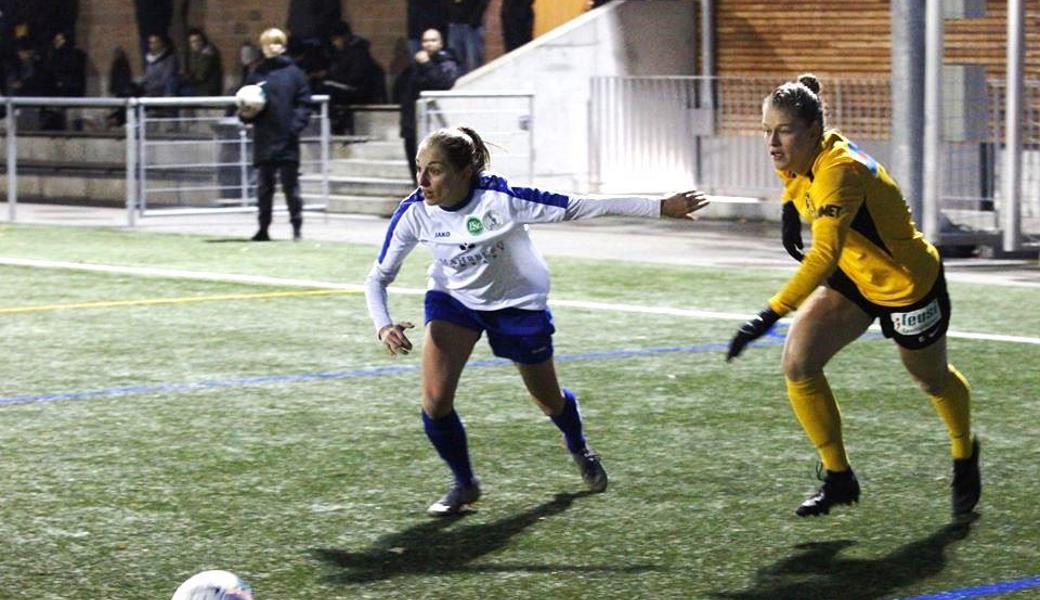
column 851, row 39
column 105, row 24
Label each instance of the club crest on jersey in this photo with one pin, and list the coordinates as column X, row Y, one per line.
column 474, row 226
column 917, row 321
column 492, row 220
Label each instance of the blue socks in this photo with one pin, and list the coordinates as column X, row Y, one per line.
column 448, row 436
column 569, row 422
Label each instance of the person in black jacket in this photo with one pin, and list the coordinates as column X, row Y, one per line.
column 434, row 68
column 517, row 23
column 276, row 130
column 466, row 31
column 68, row 68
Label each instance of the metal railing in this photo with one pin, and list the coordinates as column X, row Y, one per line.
column 185, row 155
column 505, row 120
column 651, row 134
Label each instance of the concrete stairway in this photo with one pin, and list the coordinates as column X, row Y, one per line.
column 366, row 177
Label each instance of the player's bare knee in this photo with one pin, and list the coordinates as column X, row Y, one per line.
column 798, row 368
column 437, row 405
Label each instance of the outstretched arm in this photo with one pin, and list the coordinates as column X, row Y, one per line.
column 684, row 204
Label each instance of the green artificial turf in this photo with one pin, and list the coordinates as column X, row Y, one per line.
column 271, row 436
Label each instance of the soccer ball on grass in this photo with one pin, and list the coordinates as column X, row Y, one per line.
column 214, row 585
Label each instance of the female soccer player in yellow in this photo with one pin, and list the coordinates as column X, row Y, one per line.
column 867, row 261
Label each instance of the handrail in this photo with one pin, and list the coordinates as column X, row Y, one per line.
column 134, row 135
column 102, row 102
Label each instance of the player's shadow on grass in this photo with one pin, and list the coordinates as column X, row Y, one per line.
column 816, row 570
column 434, row 547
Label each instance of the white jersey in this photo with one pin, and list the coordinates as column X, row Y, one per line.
column 482, row 253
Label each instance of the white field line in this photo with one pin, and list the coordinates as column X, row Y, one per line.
column 308, row 283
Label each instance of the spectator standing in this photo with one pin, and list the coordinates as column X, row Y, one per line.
column 160, row 71
column 203, row 69
column 433, row 68
column 466, row 31
column 28, row 74
column 423, row 15
column 517, row 23
column 353, row 77
column 67, row 66
column 120, row 84
column 311, row 22
column 276, row 130
column 249, row 58
column 153, row 17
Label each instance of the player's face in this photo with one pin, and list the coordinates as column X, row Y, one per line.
column 792, row 143
column 441, row 183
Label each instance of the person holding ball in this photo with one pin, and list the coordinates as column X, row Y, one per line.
column 276, row 130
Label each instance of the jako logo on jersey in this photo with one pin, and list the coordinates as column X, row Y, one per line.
column 917, row 321
column 441, row 234
column 474, row 226
column 492, row 220
column 830, row 210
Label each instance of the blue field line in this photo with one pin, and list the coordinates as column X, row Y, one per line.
column 989, row 589
column 167, row 388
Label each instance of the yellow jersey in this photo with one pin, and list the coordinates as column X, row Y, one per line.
column 860, row 224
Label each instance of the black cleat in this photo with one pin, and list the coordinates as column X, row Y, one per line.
column 967, row 482
column 591, row 468
column 459, row 499
column 260, row 236
column 839, row 487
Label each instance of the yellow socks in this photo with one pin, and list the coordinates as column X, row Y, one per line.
column 954, row 407
column 814, row 405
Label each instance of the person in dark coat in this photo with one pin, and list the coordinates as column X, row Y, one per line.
column 517, row 23
column 120, row 85
column 434, row 68
column 160, row 71
column 276, row 130
column 466, row 31
column 423, row 15
column 311, row 21
column 203, row 71
column 67, row 66
column 28, row 75
column 352, row 77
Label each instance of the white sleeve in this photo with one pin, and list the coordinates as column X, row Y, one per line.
column 536, row 206
column 400, row 240
column 590, row 207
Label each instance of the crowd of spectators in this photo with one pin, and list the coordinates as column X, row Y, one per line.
column 39, row 57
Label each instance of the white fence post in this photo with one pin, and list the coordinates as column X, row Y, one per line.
column 12, row 162
column 131, row 161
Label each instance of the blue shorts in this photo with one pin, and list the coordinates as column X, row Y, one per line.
column 523, row 336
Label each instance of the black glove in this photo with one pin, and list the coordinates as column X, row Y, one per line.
column 791, row 228
column 751, row 331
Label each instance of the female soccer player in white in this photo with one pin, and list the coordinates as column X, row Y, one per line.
column 486, row 275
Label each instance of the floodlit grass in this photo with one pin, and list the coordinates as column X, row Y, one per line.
column 312, row 483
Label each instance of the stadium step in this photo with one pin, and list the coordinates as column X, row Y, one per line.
column 373, row 150
column 378, row 121
column 360, row 186
column 382, row 206
column 367, row 167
